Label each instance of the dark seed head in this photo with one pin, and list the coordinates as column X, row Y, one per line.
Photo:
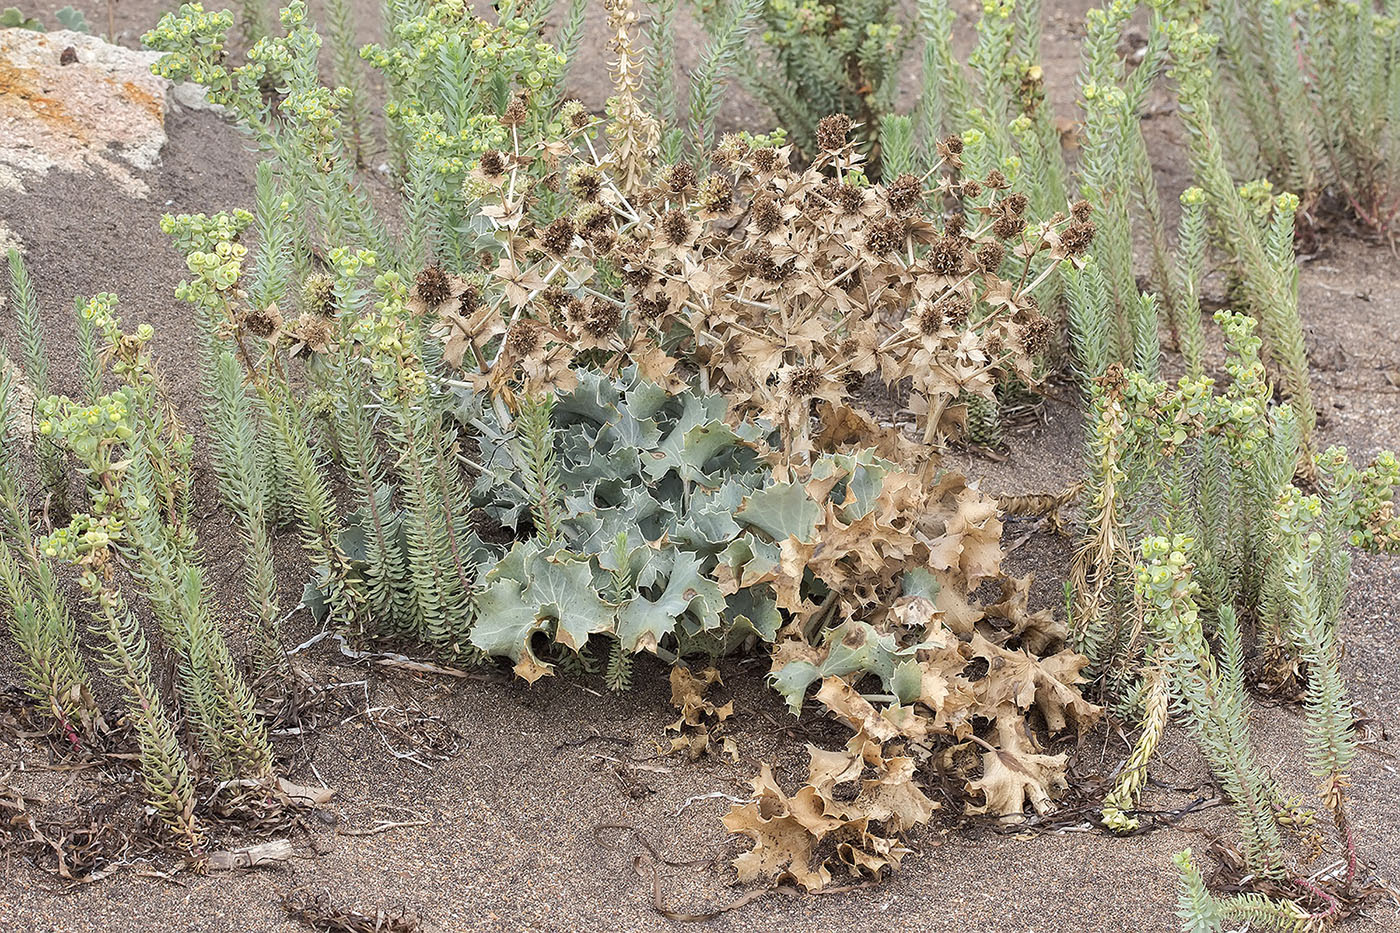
column 885, row 236
column 263, row 322
column 1077, row 237
column 432, row 286
column 716, row 194
column 766, row 159
column 1035, row 335
column 905, row 194
column 516, row 111
column 833, row 131
column 585, row 182
column 493, row 163
column 1007, row 226
column 524, row 336
column 805, row 380
column 989, row 256
column 945, row 256
column 676, row 227
column 678, row 178
column 767, row 216
column 602, row 318
column 955, row 310
column 558, row 236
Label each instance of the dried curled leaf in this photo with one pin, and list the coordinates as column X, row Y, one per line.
column 701, row 721
column 852, row 812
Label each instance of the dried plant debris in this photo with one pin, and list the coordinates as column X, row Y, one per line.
column 702, row 723
column 851, row 814
column 952, row 693
column 318, row 912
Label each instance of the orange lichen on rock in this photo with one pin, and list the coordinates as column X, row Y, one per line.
column 104, row 111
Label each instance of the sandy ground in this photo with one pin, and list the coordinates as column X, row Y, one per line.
column 509, row 840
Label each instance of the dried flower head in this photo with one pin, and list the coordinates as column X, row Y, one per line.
column 766, row 159
column 716, row 194
column 1081, row 211
column 989, row 256
column 766, row 214
column 845, row 199
column 470, row 299
column 558, row 237
column 1008, row 225
column 1076, row 238
column 678, row 178
column 553, row 301
column 971, row 189
column 905, row 194
column 652, row 308
column 585, row 182
column 996, row 180
column 732, row 147
column 676, row 227
column 1035, row 334
column 760, row 258
column 575, row 115
column 955, row 224
column 591, row 220
column 953, row 143
column 928, row 318
column 955, row 310
column 885, row 235
column 516, row 112
column 524, row 335
column 945, row 256
column 318, row 294
column 1016, row 203
column 833, row 132
column 263, row 322
column 602, row 319
column 492, row 163
column 314, row 333
column 432, row 286
column 804, row 381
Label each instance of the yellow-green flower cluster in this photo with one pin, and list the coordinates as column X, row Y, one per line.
column 92, row 431
column 82, row 536
column 1164, row 578
column 191, row 29
column 386, row 342
column 1377, row 527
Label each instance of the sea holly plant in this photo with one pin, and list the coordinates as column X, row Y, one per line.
column 833, row 281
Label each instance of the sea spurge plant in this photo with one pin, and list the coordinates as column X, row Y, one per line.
column 1202, row 912
column 828, row 57
column 35, row 361
column 38, row 617
column 1213, row 698
column 135, row 457
column 125, row 655
column 1262, row 248
column 1317, row 86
